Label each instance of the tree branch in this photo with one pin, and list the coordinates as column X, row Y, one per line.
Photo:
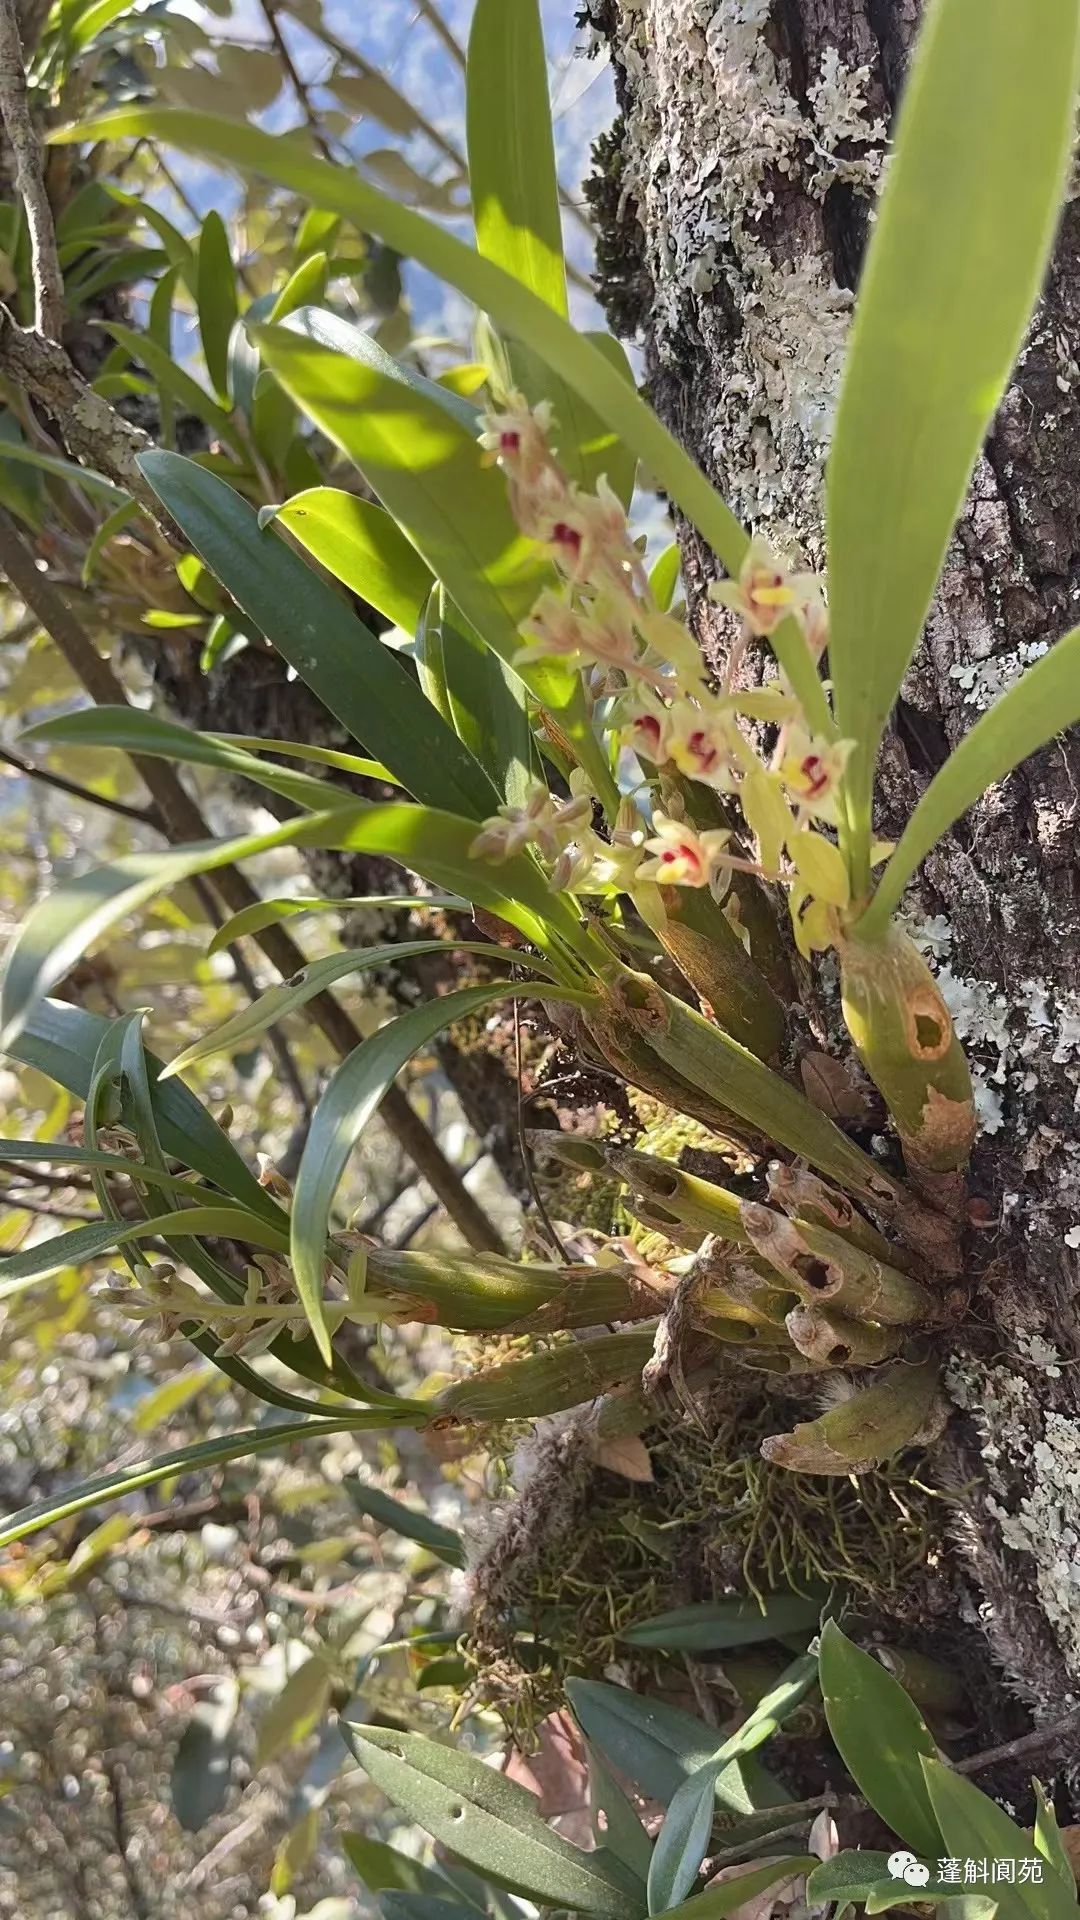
column 30, row 178
column 144, row 816
column 182, row 821
column 90, row 428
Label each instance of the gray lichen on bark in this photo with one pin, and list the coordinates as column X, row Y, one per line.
column 751, row 147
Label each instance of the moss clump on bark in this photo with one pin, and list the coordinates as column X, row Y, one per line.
column 581, row 1553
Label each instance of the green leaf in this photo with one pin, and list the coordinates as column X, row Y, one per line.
column 411, row 1906
column 973, row 1826
column 716, row 1902
column 303, row 288
column 362, row 546
column 664, row 576
column 83, row 1244
column 94, row 21
column 202, row 1764
column 113, row 523
column 137, row 730
column 1048, row 1839
column 381, row 1867
column 483, row 697
column 93, row 483
column 959, row 247
column 295, row 1712
column 170, row 1396
column 269, row 912
column 683, row 1839
column 738, row 1622
column 63, row 1042
column 486, row 1820
column 619, row 1829
column 121, row 1481
column 217, row 301
column 351, row 1097
column 881, row 1738
column 1043, row 703
column 512, row 177
column 363, row 684
column 863, row 1878
column 412, row 1525
column 425, row 462
column 173, row 379
column 276, row 1002
column 659, row 1746
column 513, row 306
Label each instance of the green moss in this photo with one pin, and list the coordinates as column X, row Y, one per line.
column 583, row 1554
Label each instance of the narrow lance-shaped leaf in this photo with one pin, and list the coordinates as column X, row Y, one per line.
column 62, row 1042
column 136, row 730
column 683, row 1839
column 512, row 177
column 717, row 1902
column 185, row 390
column 426, row 465
column 954, row 266
column 269, row 912
column 352, row 1096
column 880, row 1735
column 63, row 925
column 359, row 679
column 387, row 1511
column 486, row 1820
column 121, row 1481
column 974, row 1825
column 513, row 306
column 217, row 301
column 1042, row 704
column 276, row 1002
column 482, row 696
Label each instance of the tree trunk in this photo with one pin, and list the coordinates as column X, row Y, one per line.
column 734, row 195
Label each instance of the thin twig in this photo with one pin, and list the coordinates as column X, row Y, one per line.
column 182, row 821
column 430, row 12
column 269, row 12
column 30, row 178
column 1022, row 1748
column 144, row 816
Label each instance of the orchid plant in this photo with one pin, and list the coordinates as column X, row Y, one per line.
column 572, row 772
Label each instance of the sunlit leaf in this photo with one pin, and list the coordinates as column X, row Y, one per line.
column 959, row 245
column 276, row 1002
column 512, row 178
column 972, row 1825
column 357, row 678
column 486, row 1820
column 269, row 912
column 419, row 450
column 359, row 543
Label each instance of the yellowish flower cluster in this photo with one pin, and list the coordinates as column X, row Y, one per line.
column 605, row 620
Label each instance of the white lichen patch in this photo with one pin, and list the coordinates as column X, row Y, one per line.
column 983, row 681
column 1023, row 1444
column 714, row 135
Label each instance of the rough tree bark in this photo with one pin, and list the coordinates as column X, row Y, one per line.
column 735, row 194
